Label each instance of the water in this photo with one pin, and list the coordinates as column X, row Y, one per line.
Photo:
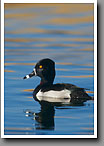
column 63, row 33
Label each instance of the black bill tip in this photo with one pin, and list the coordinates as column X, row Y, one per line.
column 26, row 77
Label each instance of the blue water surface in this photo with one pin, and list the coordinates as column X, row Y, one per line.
column 33, row 37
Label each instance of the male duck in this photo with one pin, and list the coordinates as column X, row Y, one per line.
column 48, row 91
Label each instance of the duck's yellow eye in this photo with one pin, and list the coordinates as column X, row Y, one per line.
column 40, row 66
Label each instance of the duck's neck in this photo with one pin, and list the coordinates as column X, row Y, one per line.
column 44, row 81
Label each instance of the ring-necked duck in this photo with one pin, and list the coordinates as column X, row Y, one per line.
column 45, row 69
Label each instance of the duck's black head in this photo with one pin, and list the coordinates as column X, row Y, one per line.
column 45, row 69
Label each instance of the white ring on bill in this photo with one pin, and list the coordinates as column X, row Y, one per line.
column 34, row 71
column 27, row 76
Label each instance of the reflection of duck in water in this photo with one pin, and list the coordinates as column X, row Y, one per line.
column 60, row 92
column 45, row 118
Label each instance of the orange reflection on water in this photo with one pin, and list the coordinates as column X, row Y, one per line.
column 8, row 70
column 19, row 15
column 76, row 20
column 7, row 64
column 80, row 76
column 28, row 90
column 87, row 49
column 29, row 97
column 90, row 92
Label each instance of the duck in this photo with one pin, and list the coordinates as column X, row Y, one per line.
column 59, row 92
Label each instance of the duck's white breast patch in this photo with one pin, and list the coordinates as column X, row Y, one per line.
column 54, row 96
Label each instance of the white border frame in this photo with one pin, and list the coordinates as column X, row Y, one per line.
column 95, row 69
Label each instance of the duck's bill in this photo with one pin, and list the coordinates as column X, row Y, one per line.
column 33, row 73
